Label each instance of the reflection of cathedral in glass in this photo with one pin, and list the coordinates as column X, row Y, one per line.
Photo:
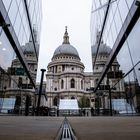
column 119, row 24
column 19, row 49
column 30, row 58
column 66, row 78
column 19, row 86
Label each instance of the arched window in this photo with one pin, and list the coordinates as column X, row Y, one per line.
column 62, row 97
column 72, row 97
column 63, row 67
column 62, row 84
column 72, row 83
column 81, row 84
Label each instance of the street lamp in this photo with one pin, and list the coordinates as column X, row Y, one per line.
column 51, row 97
column 40, row 90
column 138, row 77
column 98, row 104
column 110, row 102
column 4, row 91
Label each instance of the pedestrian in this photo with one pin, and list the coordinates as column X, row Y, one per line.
column 84, row 112
column 92, row 111
column 87, row 113
column 57, row 112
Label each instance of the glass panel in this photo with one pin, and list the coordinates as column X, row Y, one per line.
column 134, row 43
column 13, row 11
column 123, row 9
column 129, row 2
column 117, row 20
column 7, row 54
column 7, row 3
column 31, row 8
column 17, row 24
column 18, row 2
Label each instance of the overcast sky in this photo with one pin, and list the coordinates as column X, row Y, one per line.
column 56, row 15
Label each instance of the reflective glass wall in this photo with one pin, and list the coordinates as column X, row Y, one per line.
column 114, row 29
column 20, row 25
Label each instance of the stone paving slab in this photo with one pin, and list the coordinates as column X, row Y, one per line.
column 106, row 128
column 85, row 128
column 29, row 128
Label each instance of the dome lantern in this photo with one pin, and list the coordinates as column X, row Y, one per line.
column 66, row 37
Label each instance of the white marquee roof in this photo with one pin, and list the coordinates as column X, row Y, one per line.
column 68, row 104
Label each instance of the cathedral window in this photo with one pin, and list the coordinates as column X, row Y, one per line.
column 62, row 97
column 92, row 100
column 52, row 69
column 63, row 67
column 55, row 69
column 72, row 97
column 81, row 84
column 72, row 83
column 62, row 84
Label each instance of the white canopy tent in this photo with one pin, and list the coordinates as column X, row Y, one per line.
column 122, row 106
column 68, row 104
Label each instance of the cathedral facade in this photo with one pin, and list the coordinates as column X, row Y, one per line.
column 66, row 79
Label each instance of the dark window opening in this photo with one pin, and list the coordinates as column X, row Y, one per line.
column 62, row 84
column 72, row 83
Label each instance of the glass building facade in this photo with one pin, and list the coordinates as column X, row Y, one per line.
column 20, row 25
column 119, row 25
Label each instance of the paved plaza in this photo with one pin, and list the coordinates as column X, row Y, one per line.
column 106, row 128
column 85, row 128
column 29, row 128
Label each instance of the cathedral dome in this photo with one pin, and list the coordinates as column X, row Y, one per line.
column 28, row 48
column 103, row 49
column 66, row 48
